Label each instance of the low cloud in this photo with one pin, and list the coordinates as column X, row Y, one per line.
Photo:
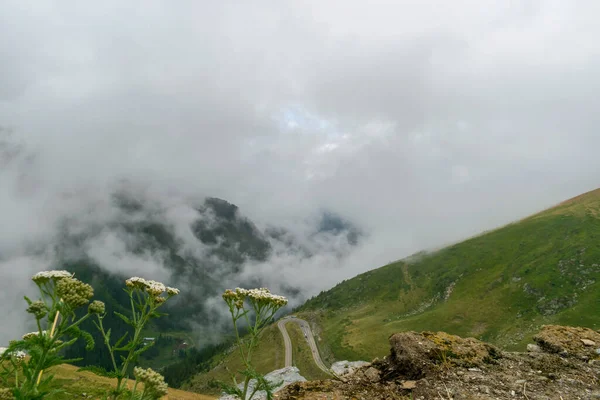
column 420, row 122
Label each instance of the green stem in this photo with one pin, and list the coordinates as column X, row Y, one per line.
column 107, row 343
column 134, row 343
column 246, row 382
column 239, row 340
column 38, row 368
column 132, row 307
column 133, row 390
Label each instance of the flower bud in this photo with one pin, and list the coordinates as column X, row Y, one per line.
column 96, row 307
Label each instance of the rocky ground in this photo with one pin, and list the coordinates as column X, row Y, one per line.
column 283, row 377
column 564, row 363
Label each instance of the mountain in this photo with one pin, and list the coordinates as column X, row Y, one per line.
column 500, row 286
column 201, row 248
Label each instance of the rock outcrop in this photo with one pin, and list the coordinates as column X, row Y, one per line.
column 565, row 364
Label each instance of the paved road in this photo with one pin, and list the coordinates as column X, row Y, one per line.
column 310, row 339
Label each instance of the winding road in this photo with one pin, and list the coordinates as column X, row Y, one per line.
column 310, row 339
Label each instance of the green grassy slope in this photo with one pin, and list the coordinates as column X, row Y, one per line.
column 268, row 356
column 498, row 287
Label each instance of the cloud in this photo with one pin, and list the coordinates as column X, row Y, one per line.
column 420, row 121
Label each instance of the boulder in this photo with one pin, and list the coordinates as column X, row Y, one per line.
column 568, row 341
column 414, row 354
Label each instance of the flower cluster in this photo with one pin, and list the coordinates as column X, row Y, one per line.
column 45, row 276
column 31, row 335
column 74, row 292
column 96, row 307
column 153, row 288
column 136, row 283
column 154, row 382
column 38, row 308
column 171, row 291
column 260, row 296
column 19, row 356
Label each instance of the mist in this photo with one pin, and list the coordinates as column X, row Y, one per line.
column 419, row 122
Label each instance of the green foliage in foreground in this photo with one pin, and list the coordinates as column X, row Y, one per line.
column 263, row 305
column 23, row 363
column 499, row 287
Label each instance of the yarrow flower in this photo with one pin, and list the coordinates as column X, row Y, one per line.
column 261, row 296
column 136, row 282
column 155, row 288
column 96, row 307
column 171, row 291
column 38, row 308
column 19, row 356
column 31, row 335
column 45, row 276
column 74, row 292
column 154, row 382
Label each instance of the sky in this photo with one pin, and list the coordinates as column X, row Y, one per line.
column 423, row 122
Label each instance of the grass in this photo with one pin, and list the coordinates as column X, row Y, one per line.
column 74, row 384
column 302, row 356
column 268, row 356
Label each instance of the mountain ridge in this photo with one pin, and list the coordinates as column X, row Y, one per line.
column 543, row 268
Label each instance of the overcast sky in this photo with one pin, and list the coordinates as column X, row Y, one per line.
column 423, row 122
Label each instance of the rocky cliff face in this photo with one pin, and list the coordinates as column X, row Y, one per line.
column 563, row 364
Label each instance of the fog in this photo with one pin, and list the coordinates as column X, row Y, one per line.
column 421, row 122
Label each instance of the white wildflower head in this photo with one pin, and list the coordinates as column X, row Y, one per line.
column 45, row 276
column 171, row 291
column 2, row 350
column 154, row 382
column 264, row 296
column 31, row 335
column 136, row 282
column 155, row 288
column 260, row 297
column 18, row 356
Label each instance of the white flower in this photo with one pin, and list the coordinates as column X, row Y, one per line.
column 262, row 295
column 136, row 281
column 19, row 355
column 2, row 350
column 30, row 335
column 155, row 288
column 171, row 291
column 45, row 276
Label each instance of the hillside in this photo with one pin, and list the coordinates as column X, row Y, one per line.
column 498, row 287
